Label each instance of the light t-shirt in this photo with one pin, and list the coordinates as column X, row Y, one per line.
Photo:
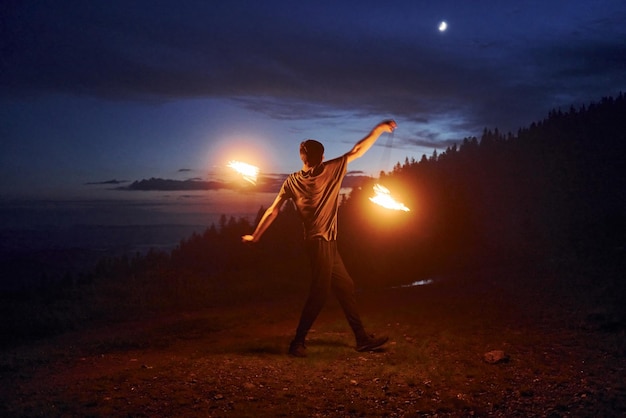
column 316, row 196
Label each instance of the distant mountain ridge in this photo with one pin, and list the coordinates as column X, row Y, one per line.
column 171, row 185
column 266, row 184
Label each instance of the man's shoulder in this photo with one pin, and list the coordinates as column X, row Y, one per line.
column 292, row 179
column 339, row 163
column 339, row 160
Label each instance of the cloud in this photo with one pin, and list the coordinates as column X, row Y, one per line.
column 303, row 63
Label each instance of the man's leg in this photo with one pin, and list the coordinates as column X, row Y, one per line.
column 320, row 255
column 343, row 287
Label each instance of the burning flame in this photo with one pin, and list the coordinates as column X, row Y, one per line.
column 247, row 171
column 384, row 199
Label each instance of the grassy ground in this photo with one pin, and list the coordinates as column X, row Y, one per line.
column 228, row 359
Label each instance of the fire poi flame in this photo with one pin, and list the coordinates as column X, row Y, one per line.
column 248, row 172
column 383, row 198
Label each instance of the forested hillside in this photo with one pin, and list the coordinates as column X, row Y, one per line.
column 555, row 189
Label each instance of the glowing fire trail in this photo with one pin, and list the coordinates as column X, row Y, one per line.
column 383, row 198
column 247, row 171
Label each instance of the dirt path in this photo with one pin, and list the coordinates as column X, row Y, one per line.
column 230, row 361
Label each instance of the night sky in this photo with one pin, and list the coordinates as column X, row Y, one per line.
column 96, row 91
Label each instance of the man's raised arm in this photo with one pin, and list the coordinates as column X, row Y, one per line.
column 361, row 147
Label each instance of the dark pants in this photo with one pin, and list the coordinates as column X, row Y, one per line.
column 329, row 273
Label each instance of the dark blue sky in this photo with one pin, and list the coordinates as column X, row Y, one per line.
column 93, row 91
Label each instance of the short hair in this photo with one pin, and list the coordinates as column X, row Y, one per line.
column 312, row 152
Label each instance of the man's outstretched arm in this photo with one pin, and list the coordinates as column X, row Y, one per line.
column 266, row 220
column 366, row 143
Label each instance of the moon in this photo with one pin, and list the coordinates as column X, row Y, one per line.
column 443, row 26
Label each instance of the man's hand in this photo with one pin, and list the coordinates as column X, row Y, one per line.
column 247, row 238
column 389, row 125
column 366, row 143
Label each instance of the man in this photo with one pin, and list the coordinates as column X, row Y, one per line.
column 315, row 192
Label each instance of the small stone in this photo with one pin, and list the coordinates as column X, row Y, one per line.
column 496, row 356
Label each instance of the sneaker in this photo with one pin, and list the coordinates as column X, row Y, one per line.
column 297, row 349
column 370, row 343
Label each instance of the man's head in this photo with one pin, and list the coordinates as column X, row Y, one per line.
column 311, row 152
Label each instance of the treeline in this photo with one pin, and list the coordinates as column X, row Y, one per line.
column 554, row 189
